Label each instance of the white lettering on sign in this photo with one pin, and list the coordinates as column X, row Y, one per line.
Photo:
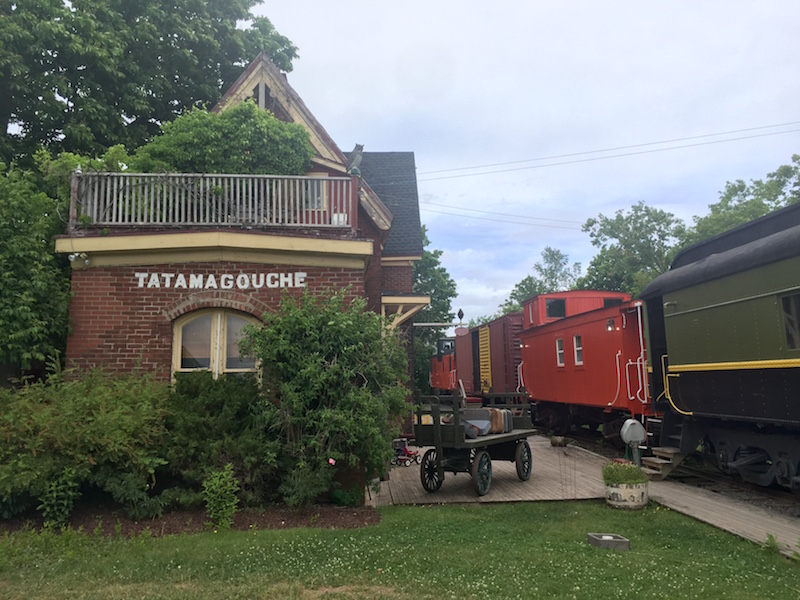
column 226, row 281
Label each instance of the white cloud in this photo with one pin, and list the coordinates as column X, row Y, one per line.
column 465, row 83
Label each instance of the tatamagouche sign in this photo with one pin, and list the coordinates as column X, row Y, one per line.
column 225, row 281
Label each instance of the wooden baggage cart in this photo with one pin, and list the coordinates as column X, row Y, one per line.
column 442, row 427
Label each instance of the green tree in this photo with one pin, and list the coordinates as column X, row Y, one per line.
column 241, row 139
column 337, row 377
column 741, row 202
column 604, row 272
column 635, row 246
column 553, row 274
column 430, row 279
column 87, row 74
column 34, row 284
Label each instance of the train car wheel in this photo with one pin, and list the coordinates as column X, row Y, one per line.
column 523, row 460
column 429, row 471
column 482, row 472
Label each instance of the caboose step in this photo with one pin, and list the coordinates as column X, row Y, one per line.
column 663, row 463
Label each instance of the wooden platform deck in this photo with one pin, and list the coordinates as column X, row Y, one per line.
column 570, row 473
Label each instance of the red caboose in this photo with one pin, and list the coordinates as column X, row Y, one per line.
column 443, row 367
column 587, row 367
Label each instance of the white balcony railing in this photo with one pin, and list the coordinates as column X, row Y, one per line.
column 184, row 199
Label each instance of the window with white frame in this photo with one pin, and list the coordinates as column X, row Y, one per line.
column 577, row 344
column 560, row 352
column 208, row 340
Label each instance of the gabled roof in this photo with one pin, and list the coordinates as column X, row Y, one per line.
column 264, row 82
column 393, row 177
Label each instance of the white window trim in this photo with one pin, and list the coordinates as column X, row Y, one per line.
column 577, row 346
column 560, row 352
column 219, row 332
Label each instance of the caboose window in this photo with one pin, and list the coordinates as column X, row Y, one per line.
column 791, row 321
column 578, row 345
column 560, row 352
column 555, row 308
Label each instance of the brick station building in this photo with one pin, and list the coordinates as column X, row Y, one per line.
column 168, row 268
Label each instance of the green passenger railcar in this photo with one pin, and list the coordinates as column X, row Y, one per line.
column 724, row 344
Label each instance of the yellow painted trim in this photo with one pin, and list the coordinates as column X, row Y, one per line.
column 217, row 246
column 402, row 308
column 399, row 261
column 787, row 363
column 405, row 300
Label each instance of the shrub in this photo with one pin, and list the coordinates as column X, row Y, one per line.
column 214, row 422
column 219, row 492
column 98, row 429
column 336, row 375
column 622, row 473
column 58, row 499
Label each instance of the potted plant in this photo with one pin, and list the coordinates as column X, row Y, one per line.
column 626, row 485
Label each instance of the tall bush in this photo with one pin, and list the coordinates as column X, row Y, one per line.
column 337, row 376
column 211, row 423
column 98, row 430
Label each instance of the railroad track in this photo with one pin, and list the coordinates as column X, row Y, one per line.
column 700, row 474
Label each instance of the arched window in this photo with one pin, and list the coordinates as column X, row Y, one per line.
column 208, row 340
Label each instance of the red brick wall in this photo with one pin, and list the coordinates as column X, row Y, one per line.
column 119, row 325
column 372, row 278
column 398, row 279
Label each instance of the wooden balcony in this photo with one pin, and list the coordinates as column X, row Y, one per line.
column 189, row 200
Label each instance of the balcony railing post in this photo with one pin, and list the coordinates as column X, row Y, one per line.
column 74, row 191
column 355, row 189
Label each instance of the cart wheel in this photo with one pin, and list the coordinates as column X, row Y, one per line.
column 418, row 458
column 482, row 472
column 429, row 473
column 522, row 456
column 406, row 462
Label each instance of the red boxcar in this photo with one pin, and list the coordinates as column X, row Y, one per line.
column 587, row 368
column 486, row 360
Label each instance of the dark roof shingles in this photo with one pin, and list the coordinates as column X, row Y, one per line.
column 393, row 176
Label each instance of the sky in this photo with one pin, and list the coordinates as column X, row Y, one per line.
column 527, row 118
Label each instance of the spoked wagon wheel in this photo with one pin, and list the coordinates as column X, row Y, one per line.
column 524, row 460
column 482, row 472
column 429, row 471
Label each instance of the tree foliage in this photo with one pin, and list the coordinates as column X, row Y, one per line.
column 84, row 75
column 552, row 274
column 741, row 202
column 241, row 139
column 34, row 283
column 430, row 279
column 337, row 377
column 635, row 246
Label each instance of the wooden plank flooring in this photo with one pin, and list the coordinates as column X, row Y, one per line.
column 569, row 473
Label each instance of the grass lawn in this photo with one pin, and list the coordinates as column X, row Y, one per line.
column 530, row 550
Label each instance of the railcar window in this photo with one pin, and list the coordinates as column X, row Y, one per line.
column 578, row 346
column 560, row 352
column 791, row 320
column 556, row 308
column 609, row 302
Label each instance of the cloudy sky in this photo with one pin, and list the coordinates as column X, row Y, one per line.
column 527, row 118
